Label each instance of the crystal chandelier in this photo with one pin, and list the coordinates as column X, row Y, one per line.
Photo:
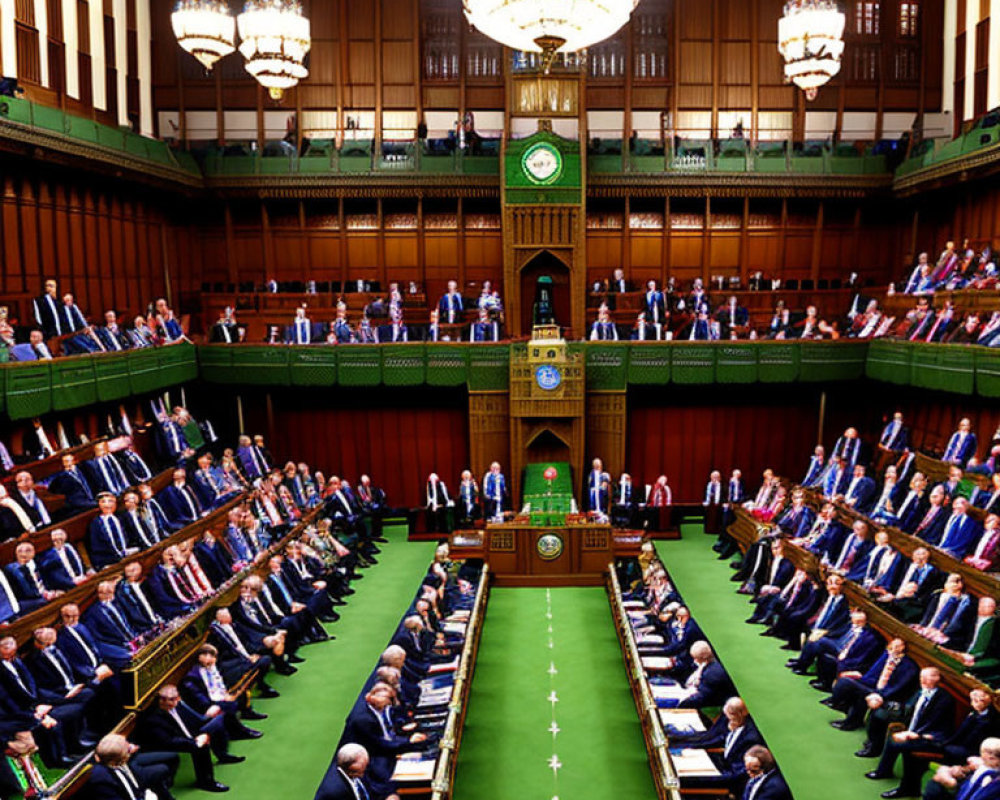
column 811, row 40
column 548, row 26
column 205, row 29
column 274, row 40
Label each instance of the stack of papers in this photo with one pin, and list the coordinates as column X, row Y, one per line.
column 633, row 604
column 412, row 767
column 443, row 666
column 655, row 663
column 682, row 719
column 456, row 628
column 692, row 763
column 435, row 697
column 649, row 638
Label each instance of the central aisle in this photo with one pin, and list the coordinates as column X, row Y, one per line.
column 507, row 745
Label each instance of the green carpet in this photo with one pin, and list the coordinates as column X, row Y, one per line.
column 305, row 723
column 818, row 761
column 505, row 751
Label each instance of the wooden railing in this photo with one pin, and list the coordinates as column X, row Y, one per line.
column 668, row 786
column 444, row 773
column 746, row 530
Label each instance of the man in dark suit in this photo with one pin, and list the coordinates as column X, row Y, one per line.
column 135, row 600
column 105, row 473
column 107, row 543
column 345, row 779
column 46, row 308
column 850, row 656
column 708, row 684
column 831, row 644
column 625, row 505
column 728, row 739
column 854, row 549
column 81, row 650
column 881, row 567
column 655, row 306
column 451, row 305
column 26, row 496
column 236, row 657
column 891, row 677
column 764, row 782
column 57, row 726
column 370, row 725
column 57, row 684
column 961, row 445
column 61, row 565
column 105, row 620
column 171, row 591
column 928, row 715
column 732, row 318
column 960, row 530
column 205, row 689
column 112, row 335
column 437, row 504
column 981, row 722
column 909, row 597
column 484, row 329
column 174, row 726
column 121, row 774
column 895, row 436
column 291, row 588
column 179, row 500
column 860, row 491
column 138, row 532
column 25, row 578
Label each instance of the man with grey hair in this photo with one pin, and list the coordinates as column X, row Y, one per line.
column 708, row 684
column 345, row 780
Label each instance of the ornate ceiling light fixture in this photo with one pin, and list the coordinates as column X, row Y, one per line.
column 811, row 40
column 548, row 26
column 205, row 29
column 274, row 40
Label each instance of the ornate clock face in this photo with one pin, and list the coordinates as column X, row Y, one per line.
column 542, row 163
column 548, row 377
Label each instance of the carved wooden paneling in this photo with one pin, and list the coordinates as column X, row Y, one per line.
column 489, row 432
column 544, row 226
column 606, row 419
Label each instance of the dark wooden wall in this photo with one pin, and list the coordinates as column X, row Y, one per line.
column 967, row 212
column 109, row 245
column 675, row 56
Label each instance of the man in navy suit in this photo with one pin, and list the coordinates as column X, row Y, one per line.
column 895, row 436
column 731, row 734
column 204, row 689
column 960, row 530
column 345, row 779
column 909, row 597
column 764, row 782
column 136, row 470
column 61, row 565
column 831, row 644
column 495, row 497
column 797, row 597
column 881, row 566
column 850, row 656
column 961, row 445
column 656, row 310
column 236, row 657
column 174, row 726
column 26, row 497
column 484, row 329
column 134, row 599
column 798, row 519
column 300, row 331
column 152, row 512
column 854, row 549
column 598, row 483
column 105, row 473
column 835, row 481
column 117, row 775
column 831, row 618
column 56, row 726
column 105, row 620
column 370, row 725
column 815, row 469
column 769, row 579
column 138, row 532
column 625, row 505
column 891, row 677
column 708, row 684
column 860, row 491
column 929, row 716
column 72, row 483
column 25, row 578
column 179, row 500
column 910, row 503
column 981, row 722
column 731, row 316
column 107, row 543
column 80, row 649
column 57, row 684
column 288, row 585
column 450, row 305
column 171, row 591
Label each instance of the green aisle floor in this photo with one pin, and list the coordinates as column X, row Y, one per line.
column 305, row 723
column 818, row 761
column 507, row 743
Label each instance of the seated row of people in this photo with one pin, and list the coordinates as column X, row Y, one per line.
column 865, row 676
column 684, row 673
column 277, row 612
column 397, row 711
column 955, row 268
